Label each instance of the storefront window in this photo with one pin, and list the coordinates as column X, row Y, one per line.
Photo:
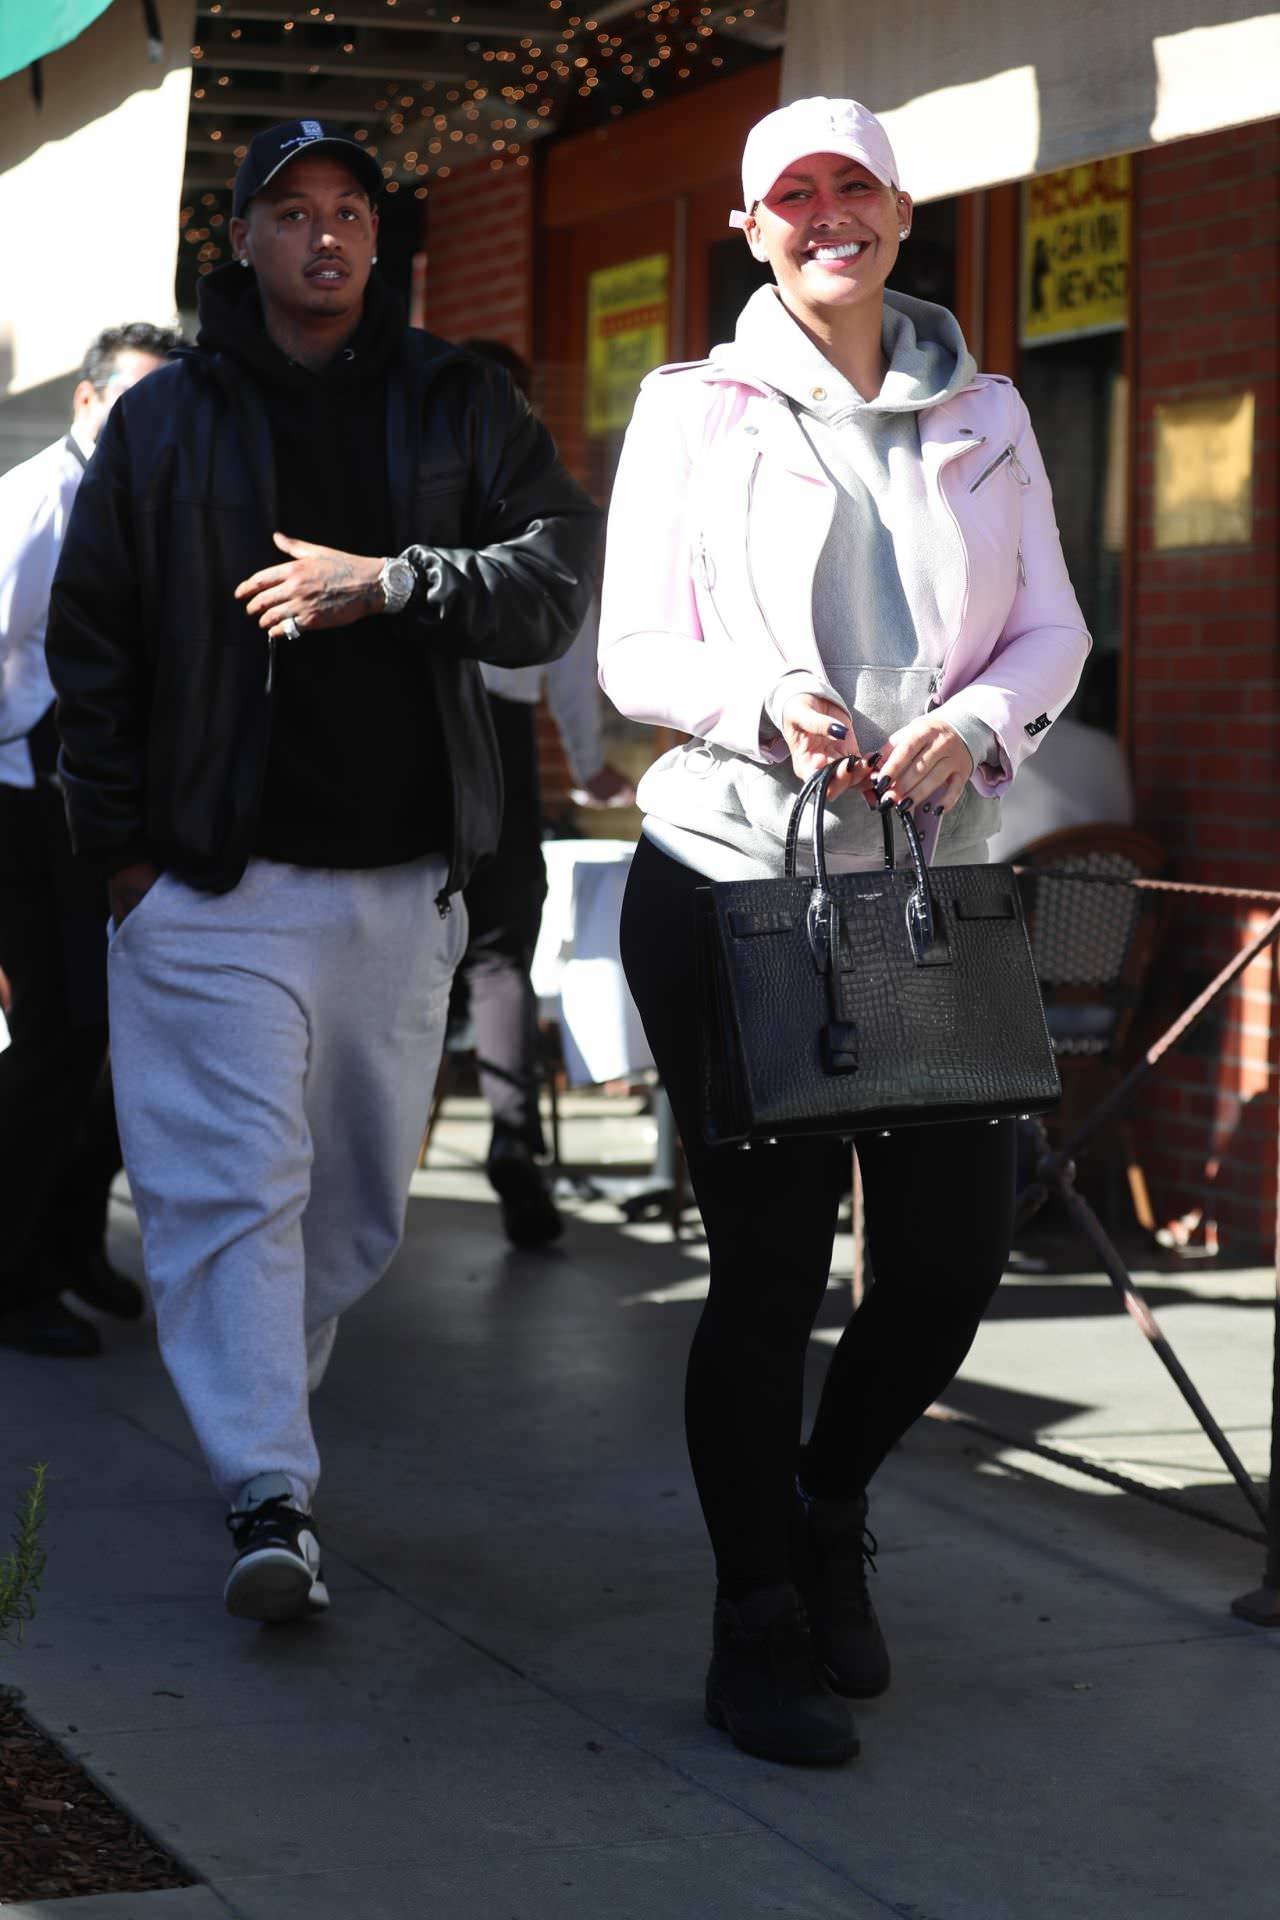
column 1076, row 393
column 1074, row 312
column 926, row 265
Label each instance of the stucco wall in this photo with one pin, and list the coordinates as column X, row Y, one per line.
column 978, row 91
column 90, row 187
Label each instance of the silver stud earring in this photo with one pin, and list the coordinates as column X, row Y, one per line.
column 243, row 260
column 904, row 233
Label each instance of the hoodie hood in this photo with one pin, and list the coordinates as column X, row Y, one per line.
column 928, row 359
column 232, row 322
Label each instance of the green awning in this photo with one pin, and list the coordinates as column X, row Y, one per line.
column 29, row 32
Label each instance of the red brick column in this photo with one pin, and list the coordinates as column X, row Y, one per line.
column 478, row 230
column 1205, row 681
column 479, row 242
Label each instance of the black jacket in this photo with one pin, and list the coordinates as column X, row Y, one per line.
column 165, row 687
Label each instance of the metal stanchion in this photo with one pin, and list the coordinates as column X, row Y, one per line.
column 1055, row 1173
column 1262, row 1606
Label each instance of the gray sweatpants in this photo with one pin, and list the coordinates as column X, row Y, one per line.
column 274, row 1051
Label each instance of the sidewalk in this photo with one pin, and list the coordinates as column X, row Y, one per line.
column 500, row 1719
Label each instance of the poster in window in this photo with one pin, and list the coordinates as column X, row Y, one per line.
column 626, row 337
column 1075, row 252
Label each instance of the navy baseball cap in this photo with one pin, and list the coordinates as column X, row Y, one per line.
column 276, row 146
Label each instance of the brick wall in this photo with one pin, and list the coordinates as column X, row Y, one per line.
column 1205, row 674
column 478, row 237
column 479, row 244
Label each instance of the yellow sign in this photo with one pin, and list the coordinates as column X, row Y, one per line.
column 1075, row 252
column 626, row 337
column 1204, row 471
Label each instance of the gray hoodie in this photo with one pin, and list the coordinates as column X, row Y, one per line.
column 876, row 577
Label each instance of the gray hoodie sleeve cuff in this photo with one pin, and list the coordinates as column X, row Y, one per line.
column 976, row 734
column 799, row 680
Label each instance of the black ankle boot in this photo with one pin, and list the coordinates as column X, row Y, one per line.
column 832, row 1551
column 765, row 1684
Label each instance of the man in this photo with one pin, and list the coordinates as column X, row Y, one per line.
column 58, row 1144
column 504, row 900
column 295, row 544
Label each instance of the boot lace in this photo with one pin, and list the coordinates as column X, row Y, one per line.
column 847, row 1560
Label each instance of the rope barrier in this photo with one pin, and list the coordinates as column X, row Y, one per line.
column 1147, row 886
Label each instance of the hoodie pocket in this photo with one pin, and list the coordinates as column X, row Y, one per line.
column 880, row 699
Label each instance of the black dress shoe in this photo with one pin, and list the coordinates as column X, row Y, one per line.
column 50, row 1329
column 97, row 1283
column 529, row 1214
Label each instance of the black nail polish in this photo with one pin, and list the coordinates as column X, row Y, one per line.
column 873, row 760
column 906, row 805
column 837, row 731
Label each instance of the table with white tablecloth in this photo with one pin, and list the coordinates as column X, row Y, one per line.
column 577, row 968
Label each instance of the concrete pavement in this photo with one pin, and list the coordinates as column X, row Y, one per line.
column 500, row 1720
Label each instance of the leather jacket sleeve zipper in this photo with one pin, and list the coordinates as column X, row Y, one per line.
column 1016, row 468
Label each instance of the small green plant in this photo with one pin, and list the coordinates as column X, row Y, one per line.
column 20, row 1570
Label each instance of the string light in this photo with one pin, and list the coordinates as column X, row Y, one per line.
column 576, row 67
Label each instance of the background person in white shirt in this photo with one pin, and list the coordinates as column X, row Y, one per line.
column 1079, row 775
column 505, row 898
column 58, row 1144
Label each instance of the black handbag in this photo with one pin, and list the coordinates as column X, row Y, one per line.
column 867, row 1000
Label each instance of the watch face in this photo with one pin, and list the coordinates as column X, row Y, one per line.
column 400, row 581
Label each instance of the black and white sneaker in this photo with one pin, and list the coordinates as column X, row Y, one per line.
column 277, row 1573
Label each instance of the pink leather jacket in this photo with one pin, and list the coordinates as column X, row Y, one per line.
column 719, row 515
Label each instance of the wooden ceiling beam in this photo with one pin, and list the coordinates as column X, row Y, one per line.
column 318, row 103
column 485, row 23
column 400, row 62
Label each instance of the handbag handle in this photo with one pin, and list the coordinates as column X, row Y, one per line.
column 822, row 915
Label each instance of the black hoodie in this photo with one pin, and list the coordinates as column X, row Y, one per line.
column 355, row 775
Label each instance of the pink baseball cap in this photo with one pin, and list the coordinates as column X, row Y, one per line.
column 812, row 126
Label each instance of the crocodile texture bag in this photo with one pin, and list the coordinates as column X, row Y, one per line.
column 867, row 1000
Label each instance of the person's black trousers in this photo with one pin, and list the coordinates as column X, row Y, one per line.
column 59, row 1150
column 504, row 911
column 939, row 1217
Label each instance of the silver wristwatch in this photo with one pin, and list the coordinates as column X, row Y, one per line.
column 397, row 581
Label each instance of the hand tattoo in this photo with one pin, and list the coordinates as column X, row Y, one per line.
column 336, row 592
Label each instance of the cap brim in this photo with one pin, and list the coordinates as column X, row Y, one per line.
column 847, row 149
column 363, row 165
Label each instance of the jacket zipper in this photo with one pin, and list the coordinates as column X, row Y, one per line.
column 751, row 578
column 1016, row 467
column 940, row 671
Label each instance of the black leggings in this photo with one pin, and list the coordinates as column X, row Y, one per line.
column 939, row 1216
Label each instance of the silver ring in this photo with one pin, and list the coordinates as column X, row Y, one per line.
column 290, row 628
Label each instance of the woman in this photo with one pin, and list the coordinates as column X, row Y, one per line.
column 831, row 541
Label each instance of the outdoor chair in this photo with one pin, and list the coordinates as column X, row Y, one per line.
column 458, row 1062
column 1093, row 947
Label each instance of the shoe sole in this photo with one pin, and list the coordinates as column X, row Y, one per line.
column 273, row 1586
column 833, row 1756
